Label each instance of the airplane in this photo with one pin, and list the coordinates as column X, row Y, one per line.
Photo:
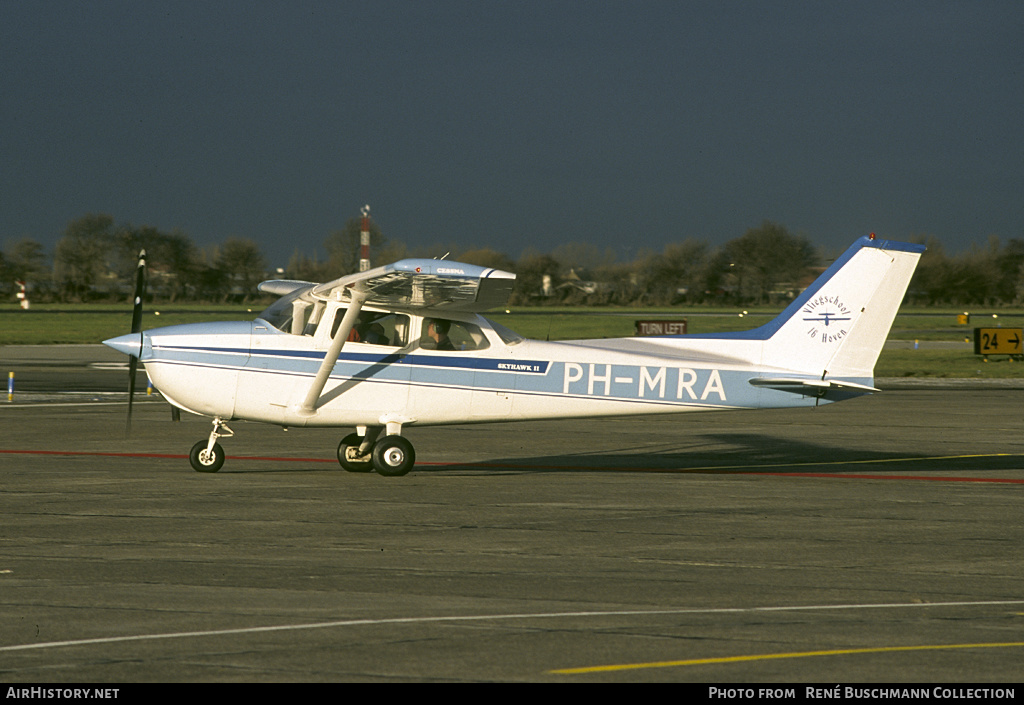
column 405, row 345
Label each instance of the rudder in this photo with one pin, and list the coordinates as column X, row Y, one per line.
column 836, row 328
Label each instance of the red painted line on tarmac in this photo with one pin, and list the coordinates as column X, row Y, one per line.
column 169, row 456
column 92, row 453
column 279, row 460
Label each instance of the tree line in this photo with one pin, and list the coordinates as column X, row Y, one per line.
column 95, row 261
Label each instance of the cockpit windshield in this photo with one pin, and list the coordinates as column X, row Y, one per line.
column 280, row 313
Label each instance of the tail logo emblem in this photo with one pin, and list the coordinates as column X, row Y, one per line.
column 829, row 318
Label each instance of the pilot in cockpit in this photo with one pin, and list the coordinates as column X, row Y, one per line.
column 437, row 331
column 374, row 335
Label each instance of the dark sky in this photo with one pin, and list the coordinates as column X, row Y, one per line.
column 515, row 124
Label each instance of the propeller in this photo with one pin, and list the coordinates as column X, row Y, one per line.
column 133, row 361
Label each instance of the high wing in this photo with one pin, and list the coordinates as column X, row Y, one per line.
column 424, row 283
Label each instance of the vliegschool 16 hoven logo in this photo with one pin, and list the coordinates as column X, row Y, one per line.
column 829, row 319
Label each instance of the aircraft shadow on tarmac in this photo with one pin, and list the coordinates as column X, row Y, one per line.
column 748, row 453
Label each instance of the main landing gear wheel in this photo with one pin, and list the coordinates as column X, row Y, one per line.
column 347, row 454
column 393, row 456
column 203, row 461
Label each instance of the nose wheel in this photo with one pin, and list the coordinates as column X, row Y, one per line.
column 208, row 455
column 205, row 459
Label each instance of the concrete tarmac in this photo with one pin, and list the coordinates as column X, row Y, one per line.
column 876, row 540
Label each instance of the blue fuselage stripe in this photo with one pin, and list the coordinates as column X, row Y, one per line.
column 446, row 361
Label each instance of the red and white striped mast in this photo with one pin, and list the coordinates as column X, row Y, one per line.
column 364, row 241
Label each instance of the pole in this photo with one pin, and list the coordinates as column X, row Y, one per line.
column 364, row 241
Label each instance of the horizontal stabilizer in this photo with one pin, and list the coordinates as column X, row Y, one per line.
column 426, row 283
column 830, row 389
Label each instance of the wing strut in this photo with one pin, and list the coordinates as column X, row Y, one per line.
column 308, row 405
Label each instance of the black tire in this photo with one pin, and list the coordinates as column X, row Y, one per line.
column 211, row 464
column 349, row 441
column 393, row 456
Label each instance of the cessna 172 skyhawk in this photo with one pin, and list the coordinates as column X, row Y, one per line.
column 404, row 345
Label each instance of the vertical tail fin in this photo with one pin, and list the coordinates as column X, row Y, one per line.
column 836, row 328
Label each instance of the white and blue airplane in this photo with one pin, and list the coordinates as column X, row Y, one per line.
column 405, row 345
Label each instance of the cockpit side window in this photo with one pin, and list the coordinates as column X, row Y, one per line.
column 445, row 334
